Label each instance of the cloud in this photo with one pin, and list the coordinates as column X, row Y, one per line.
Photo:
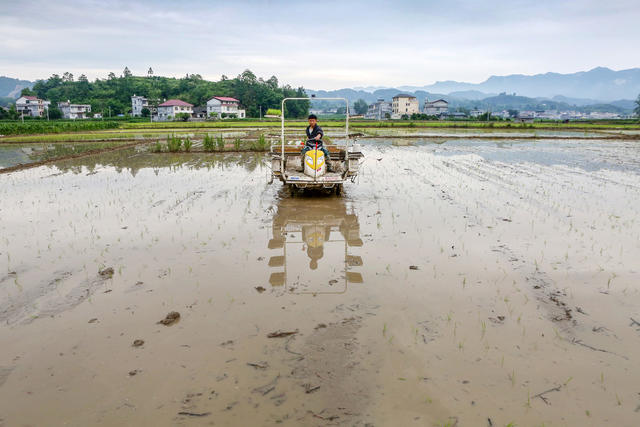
column 317, row 44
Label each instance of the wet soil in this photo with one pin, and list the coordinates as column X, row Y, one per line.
column 466, row 282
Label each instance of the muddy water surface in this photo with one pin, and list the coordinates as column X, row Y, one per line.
column 460, row 283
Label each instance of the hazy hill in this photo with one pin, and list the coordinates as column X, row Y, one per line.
column 582, row 88
column 10, row 87
column 494, row 103
column 598, row 84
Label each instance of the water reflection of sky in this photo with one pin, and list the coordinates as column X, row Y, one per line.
column 587, row 155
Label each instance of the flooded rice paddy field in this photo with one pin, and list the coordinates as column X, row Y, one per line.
column 468, row 283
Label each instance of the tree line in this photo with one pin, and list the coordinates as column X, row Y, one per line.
column 113, row 94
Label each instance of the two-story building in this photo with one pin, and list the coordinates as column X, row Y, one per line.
column 435, row 108
column 404, row 104
column 219, row 105
column 32, row 106
column 74, row 111
column 169, row 109
column 379, row 110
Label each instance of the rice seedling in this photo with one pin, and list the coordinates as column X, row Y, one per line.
column 187, row 144
column 219, row 143
column 236, row 144
column 157, row 147
column 173, row 143
column 208, row 143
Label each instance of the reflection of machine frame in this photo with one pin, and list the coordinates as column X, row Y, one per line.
column 346, row 224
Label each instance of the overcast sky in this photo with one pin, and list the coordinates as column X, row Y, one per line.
column 318, row 44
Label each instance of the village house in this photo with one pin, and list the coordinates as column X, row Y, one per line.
column 32, row 106
column 526, row 117
column 404, row 104
column 199, row 112
column 169, row 109
column 74, row 111
column 219, row 105
column 379, row 110
column 137, row 104
column 435, row 108
column 456, row 115
column 504, row 114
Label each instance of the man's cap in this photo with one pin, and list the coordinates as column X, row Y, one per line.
column 312, row 116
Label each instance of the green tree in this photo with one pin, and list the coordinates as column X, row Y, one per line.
column 13, row 113
column 145, row 112
column 54, row 112
column 126, row 72
column 637, row 110
column 28, row 92
column 360, row 106
column 114, row 93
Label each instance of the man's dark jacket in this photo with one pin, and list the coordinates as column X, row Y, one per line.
column 312, row 134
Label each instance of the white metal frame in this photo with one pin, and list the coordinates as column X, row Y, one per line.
column 310, row 99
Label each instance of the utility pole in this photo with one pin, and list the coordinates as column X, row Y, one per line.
column 47, row 113
column 260, row 112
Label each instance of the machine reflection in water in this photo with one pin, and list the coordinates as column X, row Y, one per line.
column 314, row 240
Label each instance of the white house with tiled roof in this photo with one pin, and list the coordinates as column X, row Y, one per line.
column 32, row 106
column 74, row 111
column 219, row 105
column 169, row 109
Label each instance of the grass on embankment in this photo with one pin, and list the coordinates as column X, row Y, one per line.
column 145, row 130
column 83, row 137
column 248, row 123
column 30, row 127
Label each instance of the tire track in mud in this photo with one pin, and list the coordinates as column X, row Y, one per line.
column 46, row 300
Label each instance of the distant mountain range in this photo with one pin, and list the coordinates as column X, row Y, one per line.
column 599, row 83
column 493, row 102
column 11, row 88
column 601, row 88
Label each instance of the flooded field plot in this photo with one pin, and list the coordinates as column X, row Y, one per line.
column 459, row 282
